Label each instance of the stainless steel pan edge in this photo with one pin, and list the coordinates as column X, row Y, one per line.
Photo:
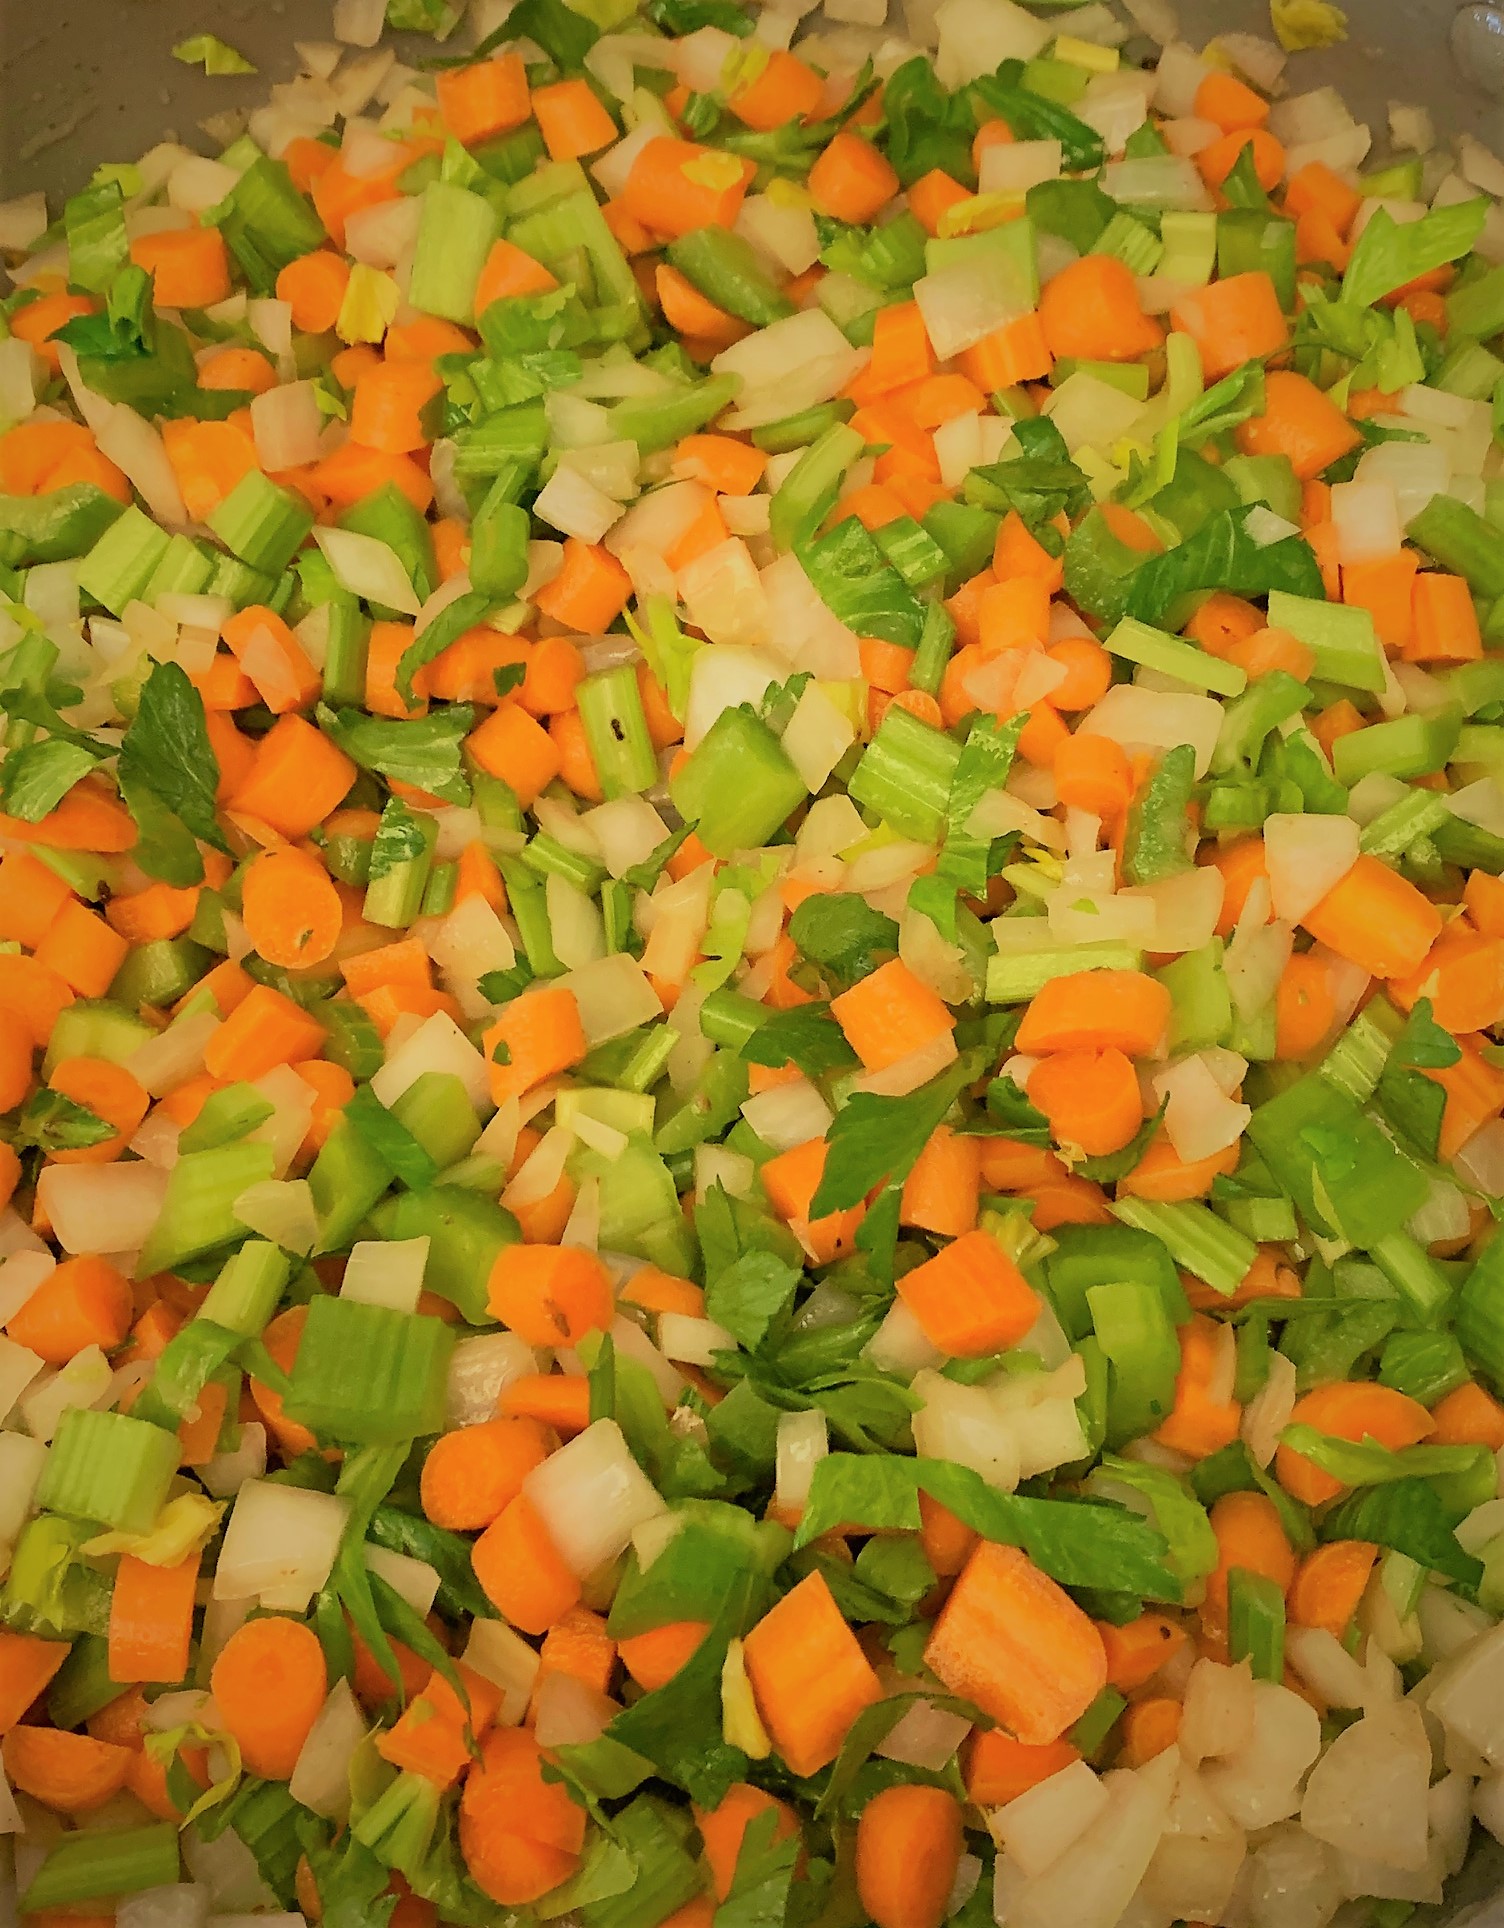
column 87, row 81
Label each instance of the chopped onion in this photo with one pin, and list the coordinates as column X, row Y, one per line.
column 1200, row 1119
column 788, row 366
column 803, row 1441
column 1367, row 1794
column 691, row 1341
column 136, row 448
column 1217, row 1716
column 963, row 1423
column 281, row 1210
column 1267, row 1414
column 1157, row 181
column 1153, row 720
column 368, row 568
column 101, row 1208
column 386, row 1272
column 723, row 592
column 1036, row 1828
column 1013, row 167
column 415, row 1580
column 568, row 1712
column 437, row 1045
column 226, row 1473
column 385, row 235
column 899, row 1344
column 925, row 1736
column 787, row 1115
column 21, row 1275
column 508, row 1662
column 590, row 1495
column 279, row 1542
column 976, row 36
column 817, row 736
column 1260, row 1782
column 321, row 1778
column 480, row 1370
column 1307, row 857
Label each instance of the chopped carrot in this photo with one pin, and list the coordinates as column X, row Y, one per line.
column 472, row 1474
column 810, row 1676
column 269, row 1683
column 71, row 1773
column 1016, row 1645
column 908, row 1847
column 1329, row 1583
column 521, row 1569
column 1348, row 1410
column 1091, row 312
column 970, row 1298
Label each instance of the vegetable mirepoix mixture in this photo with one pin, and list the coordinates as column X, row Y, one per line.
column 750, row 932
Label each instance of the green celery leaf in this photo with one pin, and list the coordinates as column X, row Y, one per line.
column 874, row 1139
column 807, row 1035
column 53, row 1122
column 1389, row 253
column 1221, row 555
column 465, row 612
column 750, row 1294
column 424, row 752
column 166, row 752
column 843, row 935
column 1412, row 1102
column 36, row 778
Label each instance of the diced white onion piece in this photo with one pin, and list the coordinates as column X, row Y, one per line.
column 1324, row 1663
column 1267, row 1414
column 787, row 1115
column 20, row 1276
column 627, row 830
column 321, row 1778
column 633, row 1343
column 1307, row 856
column 226, row 1473
column 101, row 1208
column 480, row 1370
column 570, row 1713
column 1481, row 1160
column 505, row 1659
column 790, row 365
column 967, row 299
column 723, row 593
column 19, row 1366
column 801, row 629
column 1157, row 181
column 358, row 23
column 21, row 1461
column 136, row 448
column 368, row 568
column 1153, row 720
column 1037, row 1827
column 817, row 736
column 925, row 1736
column 976, row 36
column 438, row 1045
column 281, row 1210
column 785, row 235
column 1367, row 520
column 963, row 1423
column 803, row 1441
column 182, row 1905
column 692, row 1341
column 1013, row 167
column 415, row 1580
column 279, row 1540
column 1367, row 1794
column 590, row 1495
column 386, row 1272
column 910, row 1072
column 1200, row 1119
column 287, row 426
column 716, row 1165
column 1178, row 77
column 1260, row 1784
column 1217, row 1720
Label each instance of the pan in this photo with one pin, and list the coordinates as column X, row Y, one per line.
column 87, row 81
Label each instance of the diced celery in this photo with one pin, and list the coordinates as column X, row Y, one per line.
column 465, row 1234
column 261, row 523
column 123, row 560
column 198, row 1212
column 905, row 775
column 369, row 1374
column 611, row 711
column 456, row 230
column 738, row 786
column 108, row 1467
column 1342, row 638
column 1137, row 642
column 1013, row 977
column 1407, row 746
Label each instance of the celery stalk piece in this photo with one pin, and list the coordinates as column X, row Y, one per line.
column 1342, row 639
column 198, row 1212
column 905, row 775
column 116, row 1861
column 261, row 523
column 1196, row 1238
column 108, row 1467
column 456, row 230
column 369, row 1374
column 1017, row 976
column 1137, row 642
column 617, row 731
column 738, row 786
column 123, row 560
